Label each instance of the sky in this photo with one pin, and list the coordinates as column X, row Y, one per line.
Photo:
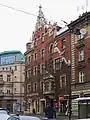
column 16, row 27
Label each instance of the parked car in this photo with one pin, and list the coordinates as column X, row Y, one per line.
column 4, row 110
column 4, row 116
column 15, row 117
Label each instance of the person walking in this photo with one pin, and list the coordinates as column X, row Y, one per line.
column 50, row 112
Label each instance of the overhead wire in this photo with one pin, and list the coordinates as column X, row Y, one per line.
column 19, row 10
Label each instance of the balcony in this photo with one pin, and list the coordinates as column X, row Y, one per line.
column 48, row 92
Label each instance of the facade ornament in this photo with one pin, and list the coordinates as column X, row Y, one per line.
column 41, row 20
column 56, row 49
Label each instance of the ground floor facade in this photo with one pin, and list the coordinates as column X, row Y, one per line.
column 78, row 92
column 9, row 102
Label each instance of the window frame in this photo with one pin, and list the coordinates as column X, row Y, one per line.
column 63, row 43
column 65, row 81
column 81, row 76
column 81, row 54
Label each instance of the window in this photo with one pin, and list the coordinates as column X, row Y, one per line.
column 29, row 88
column 29, row 59
column 81, row 76
column 10, row 68
column 45, row 30
column 42, row 37
column 6, row 68
column 43, row 53
column 63, row 81
column 35, row 70
column 46, row 86
column 3, row 68
column 81, row 54
column 42, row 68
column 1, row 77
column 42, row 86
column 8, row 91
column 28, row 73
column 63, row 43
column 57, row 64
column 35, row 56
column 15, row 68
column 51, row 49
column 52, row 85
column 15, row 76
column 8, row 78
column 50, row 32
column 35, row 87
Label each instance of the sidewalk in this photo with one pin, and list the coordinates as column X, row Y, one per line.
column 58, row 117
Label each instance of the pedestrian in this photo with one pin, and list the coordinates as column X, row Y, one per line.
column 45, row 110
column 51, row 113
column 34, row 111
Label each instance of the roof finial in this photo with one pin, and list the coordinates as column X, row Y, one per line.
column 40, row 18
column 40, row 6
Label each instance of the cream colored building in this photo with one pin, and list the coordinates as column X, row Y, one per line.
column 11, row 80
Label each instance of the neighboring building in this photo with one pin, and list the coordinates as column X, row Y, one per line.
column 60, row 54
column 80, row 49
column 12, row 65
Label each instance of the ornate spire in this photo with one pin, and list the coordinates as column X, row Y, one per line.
column 40, row 18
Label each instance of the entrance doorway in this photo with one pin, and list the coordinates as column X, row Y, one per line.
column 63, row 106
column 42, row 106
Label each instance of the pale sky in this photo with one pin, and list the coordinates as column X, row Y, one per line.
column 16, row 27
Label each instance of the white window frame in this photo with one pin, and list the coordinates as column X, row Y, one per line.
column 64, row 43
column 81, row 54
column 34, row 87
column 42, row 38
column 28, row 87
column 81, row 76
column 8, row 78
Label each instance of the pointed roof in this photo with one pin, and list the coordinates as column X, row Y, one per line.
column 41, row 20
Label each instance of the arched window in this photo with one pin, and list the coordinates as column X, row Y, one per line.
column 51, row 49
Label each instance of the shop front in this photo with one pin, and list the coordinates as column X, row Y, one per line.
column 62, row 102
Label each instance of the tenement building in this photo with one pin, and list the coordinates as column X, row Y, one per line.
column 11, row 79
column 80, row 50
column 47, row 65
